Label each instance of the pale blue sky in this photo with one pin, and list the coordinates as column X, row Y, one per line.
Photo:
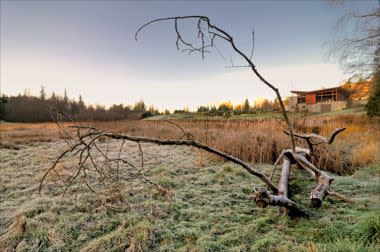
column 88, row 47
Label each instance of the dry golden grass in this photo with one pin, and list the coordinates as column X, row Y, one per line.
column 14, row 234
column 14, row 134
column 4, row 126
column 365, row 154
column 261, row 141
column 256, row 141
column 60, row 171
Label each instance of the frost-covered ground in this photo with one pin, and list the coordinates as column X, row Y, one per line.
column 208, row 209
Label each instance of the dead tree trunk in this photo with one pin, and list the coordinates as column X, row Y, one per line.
column 263, row 198
column 283, row 185
column 284, row 179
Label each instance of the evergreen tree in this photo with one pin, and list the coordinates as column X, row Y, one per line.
column 3, row 101
column 81, row 104
column 42, row 93
column 246, row 106
column 373, row 105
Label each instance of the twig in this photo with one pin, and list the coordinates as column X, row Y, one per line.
column 186, row 134
column 253, row 43
column 275, row 164
column 339, row 196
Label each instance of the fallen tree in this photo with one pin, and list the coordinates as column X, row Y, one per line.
column 84, row 147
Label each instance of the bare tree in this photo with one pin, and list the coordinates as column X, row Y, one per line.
column 92, row 159
column 358, row 51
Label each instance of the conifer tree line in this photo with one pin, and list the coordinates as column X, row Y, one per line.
column 29, row 108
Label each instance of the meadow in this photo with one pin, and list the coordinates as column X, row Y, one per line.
column 261, row 139
column 209, row 207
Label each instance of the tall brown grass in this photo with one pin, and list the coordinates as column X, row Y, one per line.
column 261, row 141
column 13, row 134
column 255, row 141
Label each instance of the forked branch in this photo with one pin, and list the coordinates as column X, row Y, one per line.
column 321, row 139
column 315, row 139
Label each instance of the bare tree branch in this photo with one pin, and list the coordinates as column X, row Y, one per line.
column 95, row 134
column 217, row 32
column 322, row 139
column 253, row 44
column 357, row 52
column 186, row 134
column 339, row 196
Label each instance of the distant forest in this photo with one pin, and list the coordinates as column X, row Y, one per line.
column 29, row 108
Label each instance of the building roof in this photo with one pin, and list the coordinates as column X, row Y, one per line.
column 317, row 91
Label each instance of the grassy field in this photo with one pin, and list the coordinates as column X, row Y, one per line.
column 203, row 116
column 208, row 208
column 252, row 116
column 262, row 140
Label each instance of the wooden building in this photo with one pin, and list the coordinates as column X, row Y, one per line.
column 323, row 100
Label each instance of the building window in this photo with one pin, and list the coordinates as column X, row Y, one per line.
column 300, row 99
